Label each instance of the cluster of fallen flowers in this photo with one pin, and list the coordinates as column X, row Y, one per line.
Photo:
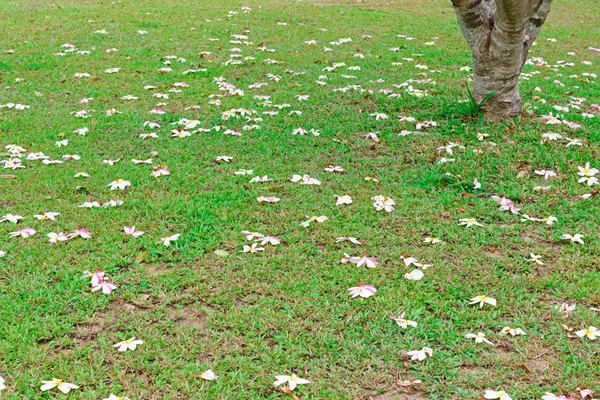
column 252, row 120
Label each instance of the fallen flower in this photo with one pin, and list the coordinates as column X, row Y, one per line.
column 168, row 239
column 507, row 330
column 364, row 260
column 100, row 282
column 550, row 396
column 252, row 235
column 208, row 375
column 347, row 239
column 566, row 308
column 114, row 397
column 483, row 300
column 414, row 275
column 11, row 218
column 591, row 333
column 404, row 323
column 23, row 232
column 468, row 222
column 82, row 233
column 420, row 355
column 490, row 394
column 119, row 184
column 292, row 381
column 272, row 240
column 47, row 216
column 343, row 200
column 252, row 249
column 576, row 238
column 364, row 291
column 479, row 338
column 506, row 204
column 383, row 203
column 59, row 384
column 129, row 344
column 57, row 237
column 132, row 232
column 546, row 173
column 320, row 219
column 535, row 258
column 265, row 199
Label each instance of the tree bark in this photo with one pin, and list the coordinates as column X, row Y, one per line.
column 500, row 34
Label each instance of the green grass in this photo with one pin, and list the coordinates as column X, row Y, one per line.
column 249, row 317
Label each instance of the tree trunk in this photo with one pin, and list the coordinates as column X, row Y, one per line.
column 500, row 34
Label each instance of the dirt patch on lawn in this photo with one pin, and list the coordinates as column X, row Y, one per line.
column 186, row 317
column 397, row 395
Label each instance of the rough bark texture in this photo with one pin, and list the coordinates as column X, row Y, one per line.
column 500, row 34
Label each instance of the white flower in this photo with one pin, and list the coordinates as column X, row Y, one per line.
column 383, row 203
column 479, row 338
column 535, row 258
column 512, row 331
column 420, row 355
column 415, row 275
column 168, row 239
column 490, row 394
column 591, row 333
column 587, row 170
column 252, row 249
column 404, row 323
column 292, row 381
column 129, row 344
column 11, row 218
column 119, row 184
column 114, row 397
column 573, row 238
column 2, row 385
column 468, row 222
column 483, row 300
column 208, row 375
column 320, row 219
column 343, row 200
column 59, row 384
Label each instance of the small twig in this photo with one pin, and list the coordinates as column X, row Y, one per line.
column 8, row 176
column 539, row 355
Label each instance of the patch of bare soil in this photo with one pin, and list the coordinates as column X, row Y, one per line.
column 87, row 333
column 186, row 317
column 397, row 395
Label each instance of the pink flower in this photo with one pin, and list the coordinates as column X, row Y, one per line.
column 506, row 204
column 166, row 241
column 364, row 260
column 160, row 170
column 585, row 393
column 100, row 282
column 54, row 237
column 83, row 233
column 112, row 203
column 363, row 291
column 23, row 232
column 252, row 235
column 272, row 240
column 132, row 232
column 373, row 136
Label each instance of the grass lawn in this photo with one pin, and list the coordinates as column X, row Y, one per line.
column 201, row 303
